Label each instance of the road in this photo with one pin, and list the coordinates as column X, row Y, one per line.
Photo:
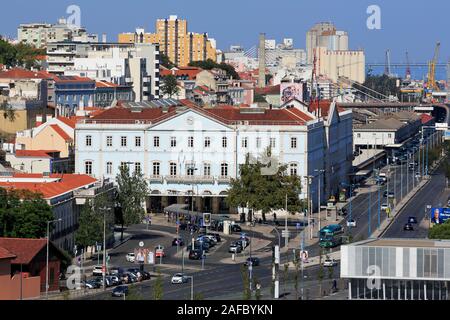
column 434, row 194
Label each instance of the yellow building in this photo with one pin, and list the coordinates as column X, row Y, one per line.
column 175, row 41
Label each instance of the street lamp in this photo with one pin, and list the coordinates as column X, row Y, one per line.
column 320, row 172
column 192, row 286
column 46, row 271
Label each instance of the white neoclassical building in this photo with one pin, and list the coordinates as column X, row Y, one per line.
column 186, row 152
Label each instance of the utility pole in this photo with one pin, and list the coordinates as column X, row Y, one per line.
column 286, row 238
column 104, row 248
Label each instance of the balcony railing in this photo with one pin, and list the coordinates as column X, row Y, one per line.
column 224, row 179
column 156, row 178
column 190, row 179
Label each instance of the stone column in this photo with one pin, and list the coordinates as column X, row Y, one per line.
column 215, row 205
column 199, row 204
column 164, row 202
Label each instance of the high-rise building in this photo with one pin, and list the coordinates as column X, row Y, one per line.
column 39, row 34
column 181, row 46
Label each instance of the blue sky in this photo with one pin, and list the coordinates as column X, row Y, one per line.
column 405, row 24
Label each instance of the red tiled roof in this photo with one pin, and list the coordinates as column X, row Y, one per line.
column 105, row 84
column 5, row 254
column 224, row 114
column 24, row 249
column 18, row 73
column 71, row 122
column 35, row 153
column 268, row 90
column 73, row 79
column 64, row 184
column 61, row 132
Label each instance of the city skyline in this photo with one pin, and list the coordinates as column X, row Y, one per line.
column 398, row 32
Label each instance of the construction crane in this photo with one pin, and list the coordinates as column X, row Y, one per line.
column 408, row 67
column 431, row 85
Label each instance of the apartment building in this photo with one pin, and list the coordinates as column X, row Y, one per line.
column 135, row 65
column 181, row 46
column 41, row 34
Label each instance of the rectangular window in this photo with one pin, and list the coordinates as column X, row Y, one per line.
column 109, row 168
column 109, row 141
column 190, row 142
column 224, row 142
column 207, row 170
column 88, row 167
column 123, row 141
column 137, row 167
column 293, row 143
column 137, row 141
column 258, row 142
column 156, row 168
column 173, row 142
column 224, row 170
column 156, row 142
column 358, row 135
column 173, row 169
column 207, row 142
column 273, row 142
column 244, row 142
column 88, row 141
column 190, row 170
column 123, row 165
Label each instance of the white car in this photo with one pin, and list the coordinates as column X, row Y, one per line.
column 351, row 223
column 98, row 271
column 131, row 257
column 179, row 278
column 330, row 263
column 384, row 206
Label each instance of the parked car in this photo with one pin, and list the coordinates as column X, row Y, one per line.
column 235, row 248
column 418, row 175
column 236, row 228
column 96, row 283
column 114, row 280
column 330, row 263
column 98, row 271
column 195, row 254
column 177, row 242
column 179, row 278
column 412, row 220
column 88, row 285
column 131, row 257
column 384, row 206
column 216, row 235
column 408, row 227
column 120, row 291
column 351, row 223
column 254, row 261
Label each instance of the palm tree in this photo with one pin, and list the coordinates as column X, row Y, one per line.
column 8, row 112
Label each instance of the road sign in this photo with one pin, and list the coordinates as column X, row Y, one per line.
column 206, row 219
column 441, row 126
column 141, row 244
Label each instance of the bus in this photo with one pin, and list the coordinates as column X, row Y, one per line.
column 331, row 236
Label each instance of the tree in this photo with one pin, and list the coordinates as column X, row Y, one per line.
column 90, row 222
column 23, row 214
column 382, row 84
column 21, row 54
column 132, row 190
column 158, row 287
column 210, row 64
column 440, row 231
column 259, row 98
column 296, row 276
column 165, row 61
column 264, row 193
column 170, row 86
column 8, row 111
